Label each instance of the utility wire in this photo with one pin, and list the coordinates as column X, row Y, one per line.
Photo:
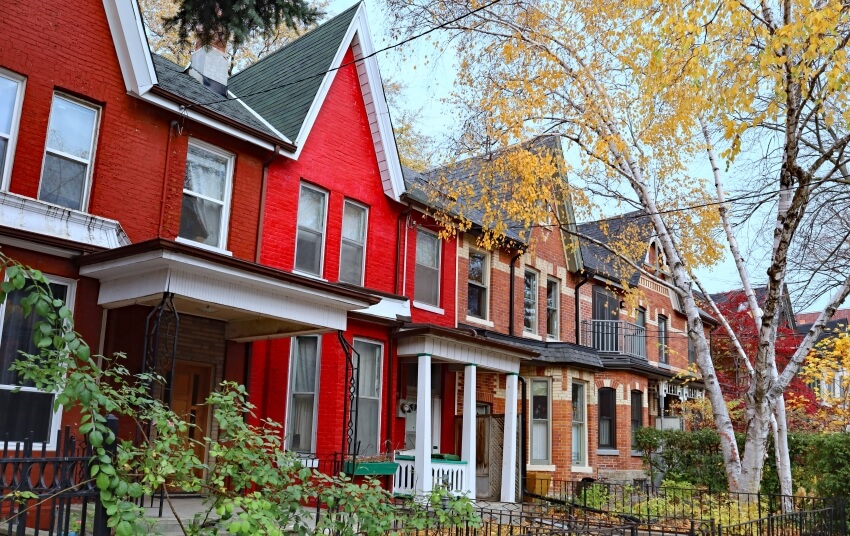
column 373, row 54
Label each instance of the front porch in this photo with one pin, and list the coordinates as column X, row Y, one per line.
column 453, row 378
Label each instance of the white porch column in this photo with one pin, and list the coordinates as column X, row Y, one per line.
column 422, row 459
column 509, row 452
column 469, row 425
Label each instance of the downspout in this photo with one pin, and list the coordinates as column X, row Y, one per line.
column 165, row 172
column 584, row 279
column 263, row 186
column 398, row 258
column 511, row 302
column 523, row 440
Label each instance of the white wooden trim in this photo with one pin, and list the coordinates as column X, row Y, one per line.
column 56, row 417
column 381, row 356
column 365, row 238
column 326, row 197
column 6, row 176
column 39, row 217
column 292, row 345
column 131, row 45
column 228, row 194
column 464, row 352
column 429, row 308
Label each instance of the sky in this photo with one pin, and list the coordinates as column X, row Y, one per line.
column 429, row 79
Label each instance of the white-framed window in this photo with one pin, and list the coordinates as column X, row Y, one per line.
column 478, row 282
column 541, row 422
column 29, row 413
column 637, row 415
column 310, row 238
column 663, row 353
column 427, row 278
column 529, row 301
column 69, row 152
column 553, row 308
column 11, row 101
column 304, row 367
column 369, row 397
column 579, row 426
column 207, row 187
column 352, row 255
column 607, row 408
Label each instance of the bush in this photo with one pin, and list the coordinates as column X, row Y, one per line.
column 693, row 457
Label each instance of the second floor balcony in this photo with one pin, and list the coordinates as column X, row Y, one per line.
column 614, row 337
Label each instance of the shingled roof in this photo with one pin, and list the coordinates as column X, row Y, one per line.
column 600, row 261
column 282, row 86
column 466, row 172
column 564, row 353
column 176, row 80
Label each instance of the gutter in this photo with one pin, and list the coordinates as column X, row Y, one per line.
column 199, row 108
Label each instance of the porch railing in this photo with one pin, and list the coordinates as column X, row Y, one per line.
column 450, row 475
column 615, row 337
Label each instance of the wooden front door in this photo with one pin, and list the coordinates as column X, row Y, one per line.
column 192, row 382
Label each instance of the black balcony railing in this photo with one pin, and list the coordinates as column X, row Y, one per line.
column 615, row 337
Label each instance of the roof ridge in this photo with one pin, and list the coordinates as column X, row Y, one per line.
column 296, row 40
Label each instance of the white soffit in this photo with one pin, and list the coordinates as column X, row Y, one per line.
column 131, row 45
column 35, row 216
column 136, row 278
column 460, row 352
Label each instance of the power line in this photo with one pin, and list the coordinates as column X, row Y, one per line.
column 333, row 69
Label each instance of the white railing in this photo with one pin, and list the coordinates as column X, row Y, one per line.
column 446, row 474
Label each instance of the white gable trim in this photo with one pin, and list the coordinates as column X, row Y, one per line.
column 359, row 38
column 131, row 45
column 258, row 117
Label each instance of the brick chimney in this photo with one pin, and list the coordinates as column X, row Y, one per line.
column 209, row 65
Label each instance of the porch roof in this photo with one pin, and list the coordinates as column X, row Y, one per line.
column 462, row 347
column 256, row 301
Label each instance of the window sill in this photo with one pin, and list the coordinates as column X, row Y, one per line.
column 308, row 274
column 581, row 469
column 607, row 452
column 550, row 338
column 637, row 453
column 542, row 468
column 665, row 366
column 481, row 321
column 199, row 245
column 429, row 308
column 530, row 335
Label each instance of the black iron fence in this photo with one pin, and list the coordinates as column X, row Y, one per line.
column 694, row 511
column 49, row 492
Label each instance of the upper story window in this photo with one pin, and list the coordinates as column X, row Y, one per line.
column 28, row 413
column 529, row 301
column 553, row 301
column 69, row 153
column 352, row 255
column 692, row 352
column 11, row 99
column 310, row 241
column 206, row 195
column 427, row 278
column 640, row 332
column 663, row 327
column 579, row 422
column 477, row 284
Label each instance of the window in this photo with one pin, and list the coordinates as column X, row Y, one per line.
column 69, row 153
column 530, row 302
column 477, row 285
column 11, row 99
column 206, row 195
column 303, row 385
column 540, row 422
column 368, row 397
column 641, row 332
column 427, row 277
column 607, row 418
column 637, row 415
column 352, row 255
column 29, row 412
column 692, row 354
column 553, row 299
column 662, row 339
column 579, row 420
column 309, row 242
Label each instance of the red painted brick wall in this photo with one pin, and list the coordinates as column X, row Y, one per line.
column 132, row 143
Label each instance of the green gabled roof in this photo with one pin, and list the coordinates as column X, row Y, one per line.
column 290, row 78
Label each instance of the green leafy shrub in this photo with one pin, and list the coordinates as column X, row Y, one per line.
column 693, row 457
